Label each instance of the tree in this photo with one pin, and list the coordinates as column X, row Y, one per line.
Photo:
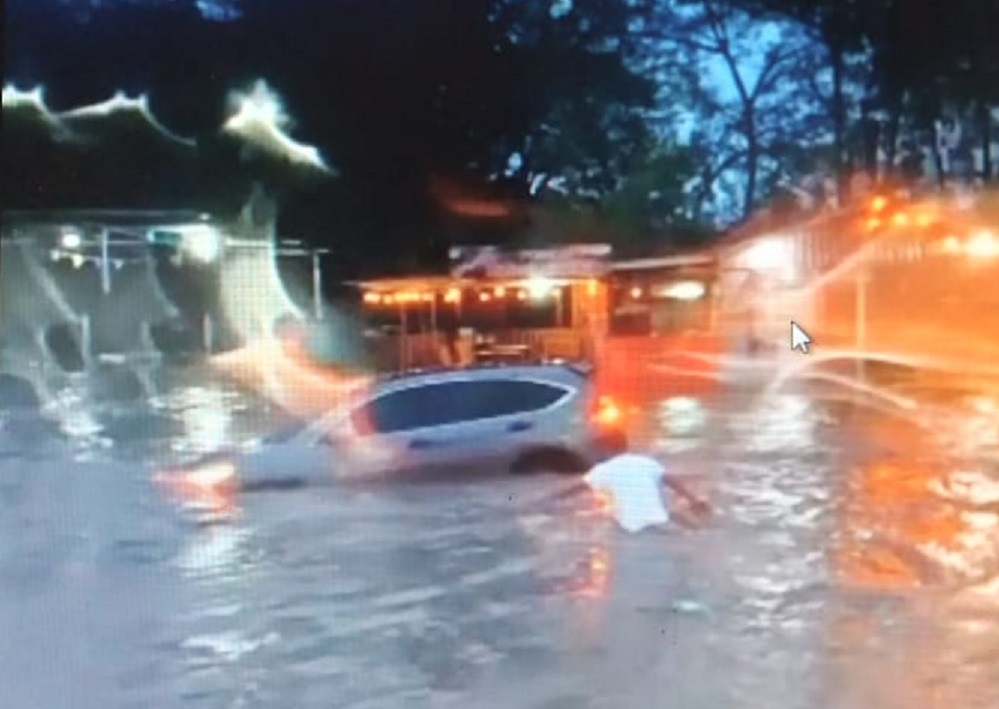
column 743, row 129
column 840, row 29
column 581, row 96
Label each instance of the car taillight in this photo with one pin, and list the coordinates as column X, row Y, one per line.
column 605, row 411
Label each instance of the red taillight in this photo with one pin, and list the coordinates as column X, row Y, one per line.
column 605, row 411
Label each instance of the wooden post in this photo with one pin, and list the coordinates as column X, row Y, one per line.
column 317, row 285
column 86, row 351
column 860, row 322
column 403, row 337
column 208, row 333
column 105, row 263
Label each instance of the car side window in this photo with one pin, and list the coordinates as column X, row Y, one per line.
column 445, row 403
column 403, row 410
column 504, row 397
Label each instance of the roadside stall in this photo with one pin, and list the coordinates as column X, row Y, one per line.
column 494, row 306
column 662, row 332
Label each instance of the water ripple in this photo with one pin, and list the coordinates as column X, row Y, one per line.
column 852, row 562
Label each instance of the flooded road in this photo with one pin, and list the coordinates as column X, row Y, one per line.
column 852, row 562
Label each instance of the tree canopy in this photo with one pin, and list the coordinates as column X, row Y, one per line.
column 647, row 116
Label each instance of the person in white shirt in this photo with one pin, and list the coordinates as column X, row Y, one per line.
column 637, row 486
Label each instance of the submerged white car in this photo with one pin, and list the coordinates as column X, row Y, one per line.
column 440, row 424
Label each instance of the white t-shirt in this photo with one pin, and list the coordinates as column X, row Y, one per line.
column 634, row 483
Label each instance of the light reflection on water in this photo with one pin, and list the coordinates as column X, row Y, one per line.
column 852, row 562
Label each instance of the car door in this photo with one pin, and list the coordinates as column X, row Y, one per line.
column 404, row 430
column 503, row 416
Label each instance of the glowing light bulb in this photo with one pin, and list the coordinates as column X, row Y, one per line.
column 202, row 243
column 71, row 240
column 983, row 245
column 538, row 287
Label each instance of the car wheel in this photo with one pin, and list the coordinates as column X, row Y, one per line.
column 549, row 460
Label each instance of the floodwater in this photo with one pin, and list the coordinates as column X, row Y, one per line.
column 852, row 562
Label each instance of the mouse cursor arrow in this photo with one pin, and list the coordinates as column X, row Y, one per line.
column 800, row 340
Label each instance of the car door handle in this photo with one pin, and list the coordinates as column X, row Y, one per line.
column 420, row 444
column 518, row 426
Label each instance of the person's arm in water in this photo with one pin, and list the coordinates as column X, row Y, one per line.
column 575, row 489
column 696, row 504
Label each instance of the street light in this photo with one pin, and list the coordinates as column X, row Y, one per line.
column 201, row 242
column 72, row 240
column 982, row 245
column 685, row 290
column 539, row 287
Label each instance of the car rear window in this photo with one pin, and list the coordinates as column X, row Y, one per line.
column 445, row 403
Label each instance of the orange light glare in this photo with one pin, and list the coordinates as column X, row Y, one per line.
column 983, row 245
column 372, row 298
column 591, row 287
column 607, row 412
column 219, row 479
column 878, row 204
column 636, row 292
column 900, row 219
column 485, row 297
column 453, row 295
column 500, row 292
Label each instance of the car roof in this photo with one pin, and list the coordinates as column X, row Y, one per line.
column 565, row 374
column 561, row 373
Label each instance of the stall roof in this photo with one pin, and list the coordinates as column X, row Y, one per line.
column 445, row 282
column 643, row 264
column 411, row 282
column 110, row 218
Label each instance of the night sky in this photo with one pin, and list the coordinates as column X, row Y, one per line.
column 413, row 102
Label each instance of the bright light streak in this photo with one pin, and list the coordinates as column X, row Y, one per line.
column 539, row 287
column 71, row 240
column 983, row 245
column 14, row 97
column 202, row 243
column 685, row 290
column 212, row 477
column 765, row 255
column 120, row 102
column 261, row 119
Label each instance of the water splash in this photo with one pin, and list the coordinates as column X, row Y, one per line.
column 260, row 118
column 121, row 103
